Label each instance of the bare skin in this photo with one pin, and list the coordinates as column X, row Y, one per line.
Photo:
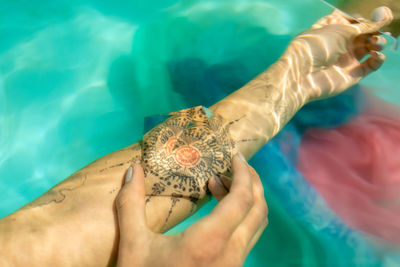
column 365, row 7
column 75, row 222
column 230, row 230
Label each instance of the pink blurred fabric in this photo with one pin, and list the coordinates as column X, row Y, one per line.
column 356, row 168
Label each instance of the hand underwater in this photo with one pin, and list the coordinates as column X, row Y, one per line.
column 223, row 238
column 327, row 59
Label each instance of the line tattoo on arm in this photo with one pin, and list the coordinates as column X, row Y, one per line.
column 182, row 153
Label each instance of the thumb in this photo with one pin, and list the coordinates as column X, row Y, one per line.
column 130, row 204
column 381, row 17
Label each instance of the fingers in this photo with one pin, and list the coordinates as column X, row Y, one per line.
column 217, row 188
column 378, row 41
column 233, row 208
column 251, row 228
column 256, row 236
column 226, row 181
column 371, row 64
column 239, row 219
column 368, row 41
column 363, row 44
column 382, row 16
column 360, row 46
column 131, row 204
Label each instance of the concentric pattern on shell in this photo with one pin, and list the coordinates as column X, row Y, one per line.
column 183, row 152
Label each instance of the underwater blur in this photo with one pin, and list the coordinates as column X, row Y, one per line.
column 77, row 79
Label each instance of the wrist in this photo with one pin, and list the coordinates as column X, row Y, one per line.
column 289, row 76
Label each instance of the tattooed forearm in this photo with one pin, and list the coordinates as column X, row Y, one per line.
column 183, row 152
column 178, row 157
column 58, row 193
column 267, row 103
column 105, row 166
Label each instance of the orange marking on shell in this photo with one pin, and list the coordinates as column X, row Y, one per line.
column 187, row 156
column 170, row 144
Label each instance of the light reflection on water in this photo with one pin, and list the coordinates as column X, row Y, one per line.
column 48, row 79
column 77, row 79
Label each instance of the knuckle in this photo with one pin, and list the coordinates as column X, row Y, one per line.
column 246, row 198
column 263, row 208
column 220, row 238
column 260, row 192
column 196, row 255
column 122, row 200
column 205, row 253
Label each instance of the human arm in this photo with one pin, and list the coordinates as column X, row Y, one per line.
column 319, row 63
column 75, row 223
column 222, row 238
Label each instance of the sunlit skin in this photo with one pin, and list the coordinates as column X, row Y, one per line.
column 319, row 63
column 229, row 234
column 364, row 8
column 75, row 223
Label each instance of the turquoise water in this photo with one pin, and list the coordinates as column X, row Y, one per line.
column 77, row 79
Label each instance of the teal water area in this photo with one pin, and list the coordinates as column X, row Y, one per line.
column 77, row 79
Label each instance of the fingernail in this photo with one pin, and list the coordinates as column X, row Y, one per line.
column 378, row 40
column 128, row 175
column 242, row 157
column 381, row 55
column 218, row 180
column 378, row 54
